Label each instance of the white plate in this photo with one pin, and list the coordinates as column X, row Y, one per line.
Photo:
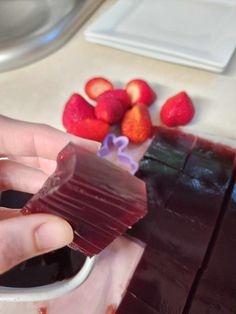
column 156, row 55
column 201, row 31
column 49, row 291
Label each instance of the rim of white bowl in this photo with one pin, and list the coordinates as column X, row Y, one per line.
column 50, row 291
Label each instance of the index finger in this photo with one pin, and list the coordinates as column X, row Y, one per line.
column 20, row 138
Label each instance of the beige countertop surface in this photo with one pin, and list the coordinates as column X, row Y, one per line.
column 39, row 91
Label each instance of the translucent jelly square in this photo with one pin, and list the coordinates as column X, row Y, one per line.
column 162, row 178
column 161, row 283
column 185, row 227
column 160, row 181
column 196, row 200
column 171, row 147
column 132, row 305
column 216, row 290
column 212, row 163
column 183, row 240
column 100, row 200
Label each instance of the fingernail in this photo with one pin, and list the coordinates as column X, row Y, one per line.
column 53, row 235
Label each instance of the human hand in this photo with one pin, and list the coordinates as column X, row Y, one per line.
column 28, row 156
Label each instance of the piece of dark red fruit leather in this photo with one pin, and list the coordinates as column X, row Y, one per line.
column 99, row 199
column 216, row 290
column 187, row 181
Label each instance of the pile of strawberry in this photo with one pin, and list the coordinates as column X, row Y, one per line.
column 128, row 106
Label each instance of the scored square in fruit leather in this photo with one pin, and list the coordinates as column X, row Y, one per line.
column 171, row 147
column 99, row 199
column 185, row 217
column 160, row 181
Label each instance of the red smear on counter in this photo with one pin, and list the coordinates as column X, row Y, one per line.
column 111, row 309
column 43, row 310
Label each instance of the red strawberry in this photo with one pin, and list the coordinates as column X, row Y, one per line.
column 91, row 129
column 137, row 124
column 119, row 94
column 96, row 86
column 177, row 110
column 109, row 109
column 140, row 92
column 76, row 109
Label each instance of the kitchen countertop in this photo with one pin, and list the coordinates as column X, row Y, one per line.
column 38, row 92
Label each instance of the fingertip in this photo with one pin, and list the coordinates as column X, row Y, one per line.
column 53, row 234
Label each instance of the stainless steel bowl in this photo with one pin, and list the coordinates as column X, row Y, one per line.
column 32, row 29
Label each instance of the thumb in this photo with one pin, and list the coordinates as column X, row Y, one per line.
column 26, row 236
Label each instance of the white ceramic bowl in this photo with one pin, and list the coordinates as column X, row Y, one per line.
column 50, row 291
